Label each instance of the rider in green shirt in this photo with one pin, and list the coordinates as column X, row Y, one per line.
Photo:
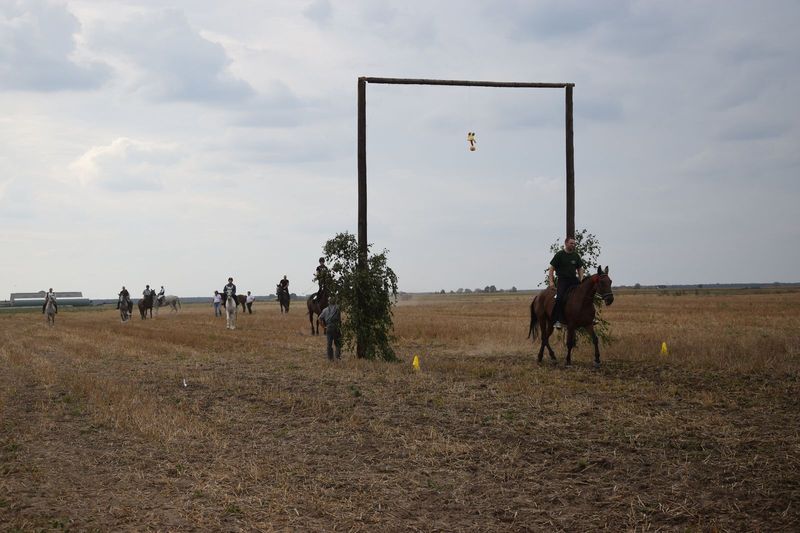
column 567, row 267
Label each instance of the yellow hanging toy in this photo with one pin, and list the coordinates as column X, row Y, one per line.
column 471, row 141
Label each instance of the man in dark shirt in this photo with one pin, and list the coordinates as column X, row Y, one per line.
column 284, row 284
column 567, row 267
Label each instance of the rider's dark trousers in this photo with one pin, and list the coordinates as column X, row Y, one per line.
column 562, row 286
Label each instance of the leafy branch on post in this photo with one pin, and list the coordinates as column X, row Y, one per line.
column 365, row 297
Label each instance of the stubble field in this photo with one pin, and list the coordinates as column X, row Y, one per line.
column 98, row 431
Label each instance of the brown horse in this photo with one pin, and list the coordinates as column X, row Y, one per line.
column 315, row 307
column 283, row 298
column 241, row 299
column 578, row 313
column 144, row 304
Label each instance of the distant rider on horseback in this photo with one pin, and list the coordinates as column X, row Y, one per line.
column 123, row 294
column 160, row 296
column 567, row 265
column 320, row 276
column 229, row 291
column 283, row 285
column 50, row 296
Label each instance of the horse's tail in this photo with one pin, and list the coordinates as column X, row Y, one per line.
column 532, row 330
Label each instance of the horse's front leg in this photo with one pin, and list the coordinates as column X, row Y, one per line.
column 596, row 347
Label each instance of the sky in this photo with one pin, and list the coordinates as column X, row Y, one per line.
column 178, row 143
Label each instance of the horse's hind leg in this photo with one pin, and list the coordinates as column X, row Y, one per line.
column 546, row 329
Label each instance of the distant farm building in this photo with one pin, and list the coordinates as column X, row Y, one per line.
column 36, row 299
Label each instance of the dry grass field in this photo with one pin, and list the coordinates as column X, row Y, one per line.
column 99, row 433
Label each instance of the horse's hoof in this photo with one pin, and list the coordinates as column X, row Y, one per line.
column 596, row 365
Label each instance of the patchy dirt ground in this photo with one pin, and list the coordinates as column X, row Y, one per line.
column 99, row 432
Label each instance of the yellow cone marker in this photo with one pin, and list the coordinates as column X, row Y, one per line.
column 415, row 364
column 664, row 350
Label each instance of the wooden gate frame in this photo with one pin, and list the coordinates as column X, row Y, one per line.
column 362, row 151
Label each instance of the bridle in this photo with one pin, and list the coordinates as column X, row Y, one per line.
column 596, row 279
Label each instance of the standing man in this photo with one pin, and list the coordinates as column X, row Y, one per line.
column 123, row 293
column 331, row 318
column 217, row 303
column 229, row 291
column 320, row 276
column 567, row 266
column 249, row 302
column 50, row 296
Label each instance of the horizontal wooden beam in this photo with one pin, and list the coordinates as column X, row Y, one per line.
column 466, row 83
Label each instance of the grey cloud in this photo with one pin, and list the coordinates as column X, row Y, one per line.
column 320, row 11
column 278, row 107
column 37, row 40
column 754, row 130
column 178, row 63
column 553, row 18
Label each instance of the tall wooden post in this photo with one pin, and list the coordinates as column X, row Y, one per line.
column 361, row 348
column 570, row 165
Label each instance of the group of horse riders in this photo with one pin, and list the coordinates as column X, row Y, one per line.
column 148, row 293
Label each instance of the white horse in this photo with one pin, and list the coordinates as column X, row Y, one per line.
column 170, row 300
column 231, row 309
column 124, row 309
column 50, row 312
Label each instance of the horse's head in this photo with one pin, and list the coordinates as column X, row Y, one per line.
column 603, row 284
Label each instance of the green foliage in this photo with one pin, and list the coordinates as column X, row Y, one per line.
column 588, row 246
column 364, row 297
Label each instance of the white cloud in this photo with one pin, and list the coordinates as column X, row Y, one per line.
column 125, row 165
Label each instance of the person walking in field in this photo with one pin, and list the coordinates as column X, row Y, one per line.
column 566, row 270
column 48, row 297
column 331, row 318
column 217, row 304
column 249, row 301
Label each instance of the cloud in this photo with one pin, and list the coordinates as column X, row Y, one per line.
column 278, row 107
column 125, row 165
column 555, row 18
column 37, row 45
column 320, row 11
column 171, row 61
